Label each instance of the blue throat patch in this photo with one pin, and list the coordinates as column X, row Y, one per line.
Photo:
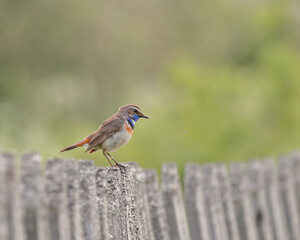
column 136, row 117
column 133, row 120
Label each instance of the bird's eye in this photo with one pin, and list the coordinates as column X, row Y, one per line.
column 136, row 111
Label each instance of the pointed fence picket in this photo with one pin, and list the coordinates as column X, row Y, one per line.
column 75, row 200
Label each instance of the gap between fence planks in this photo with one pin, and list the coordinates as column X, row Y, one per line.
column 75, row 200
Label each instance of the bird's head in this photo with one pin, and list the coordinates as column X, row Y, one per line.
column 132, row 111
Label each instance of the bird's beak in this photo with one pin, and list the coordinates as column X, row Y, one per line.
column 143, row 116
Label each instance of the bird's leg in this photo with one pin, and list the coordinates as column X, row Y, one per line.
column 117, row 164
column 107, row 158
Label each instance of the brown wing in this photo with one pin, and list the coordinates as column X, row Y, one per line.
column 106, row 130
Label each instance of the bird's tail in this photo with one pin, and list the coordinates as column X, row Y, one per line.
column 82, row 142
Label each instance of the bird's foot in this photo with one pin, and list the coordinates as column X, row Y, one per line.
column 119, row 165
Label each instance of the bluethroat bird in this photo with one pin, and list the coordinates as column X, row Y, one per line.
column 113, row 133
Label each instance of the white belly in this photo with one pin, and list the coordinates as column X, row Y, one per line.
column 116, row 141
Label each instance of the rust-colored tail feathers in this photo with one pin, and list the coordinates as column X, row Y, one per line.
column 82, row 142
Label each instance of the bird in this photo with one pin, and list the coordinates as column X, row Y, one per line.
column 113, row 133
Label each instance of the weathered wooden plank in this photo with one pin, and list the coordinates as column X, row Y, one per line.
column 136, row 229
column 10, row 199
column 173, row 202
column 279, row 227
column 288, row 197
column 131, row 195
column 31, row 171
column 126, row 215
column 117, row 204
column 244, row 211
column 10, row 182
column 143, row 206
column 73, row 220
column 215, row 216
column 195, row 203
column 258, row 196
column 4, row 205
column 219, row 213
column 227, row 202
column 295, row 158
column 53, row 202
column 87, row 200
column 102, row 202
column 157, row 212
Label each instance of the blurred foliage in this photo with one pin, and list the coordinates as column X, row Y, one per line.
column 220, row 80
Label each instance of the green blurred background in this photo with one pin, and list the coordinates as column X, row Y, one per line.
column 220, row 80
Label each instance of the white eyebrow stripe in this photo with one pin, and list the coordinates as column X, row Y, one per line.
column 134, row 108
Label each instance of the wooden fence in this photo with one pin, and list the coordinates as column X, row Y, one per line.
column 74, row 200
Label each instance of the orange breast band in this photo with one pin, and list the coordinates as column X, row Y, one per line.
column 128, row 128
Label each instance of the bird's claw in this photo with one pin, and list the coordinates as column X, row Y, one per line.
column 119, row 165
